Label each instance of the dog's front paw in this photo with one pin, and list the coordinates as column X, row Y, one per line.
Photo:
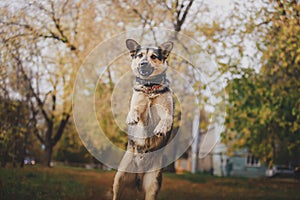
column 160, row 130
column 132, row 118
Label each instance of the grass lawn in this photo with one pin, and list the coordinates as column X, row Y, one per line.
column 37, row 182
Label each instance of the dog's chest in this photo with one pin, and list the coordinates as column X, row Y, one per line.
column 141, row 135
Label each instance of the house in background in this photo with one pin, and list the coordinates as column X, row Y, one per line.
column 242, row 163
column 216, row 161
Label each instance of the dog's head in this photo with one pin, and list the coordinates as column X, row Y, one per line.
column 148, row 62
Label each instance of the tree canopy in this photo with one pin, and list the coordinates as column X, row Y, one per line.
column 264, row 107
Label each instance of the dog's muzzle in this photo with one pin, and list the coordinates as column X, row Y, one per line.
column 145, row 69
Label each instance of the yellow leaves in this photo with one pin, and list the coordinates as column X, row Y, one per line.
column 247, row 132
column 285, row 64
column 261, row 121
column 297, row 60
column 243, row 115
column 282, row 55
column 230, row 124
column 241, row 142
column 295, row 127
column 203, row 125
column 265, row 114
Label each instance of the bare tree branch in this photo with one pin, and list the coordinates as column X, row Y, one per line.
column 179, row 9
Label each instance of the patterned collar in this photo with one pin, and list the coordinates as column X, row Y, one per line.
column 158, row 84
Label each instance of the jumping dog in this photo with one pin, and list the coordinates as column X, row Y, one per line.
column 149, row 120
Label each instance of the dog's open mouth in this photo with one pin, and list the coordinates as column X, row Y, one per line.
column 145, row 71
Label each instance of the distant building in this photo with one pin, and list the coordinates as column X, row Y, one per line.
column 242, row 163
column 217, row 162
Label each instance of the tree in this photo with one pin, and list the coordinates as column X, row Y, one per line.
column 45, row 43
column 14, row 134
column 23, row 34
column 263, row 108
column 70, row 148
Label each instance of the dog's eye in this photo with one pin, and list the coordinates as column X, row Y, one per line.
column 153, row 56
column 140, row 55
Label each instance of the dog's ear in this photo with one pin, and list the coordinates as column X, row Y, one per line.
column 133, row 46
column 166, row 48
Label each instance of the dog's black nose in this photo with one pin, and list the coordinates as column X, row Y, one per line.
column 144, row 63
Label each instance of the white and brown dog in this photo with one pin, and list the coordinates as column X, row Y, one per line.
column 149, row 120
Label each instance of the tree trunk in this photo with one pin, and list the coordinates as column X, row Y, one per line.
column 50, row 141
column 47, row 155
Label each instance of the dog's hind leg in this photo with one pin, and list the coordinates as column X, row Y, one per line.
column 119, row 180
column 118, row 185
column 151, row 184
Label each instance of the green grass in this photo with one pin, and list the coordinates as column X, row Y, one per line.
column 57, row 183
column 39, row 184
column 196, row 178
